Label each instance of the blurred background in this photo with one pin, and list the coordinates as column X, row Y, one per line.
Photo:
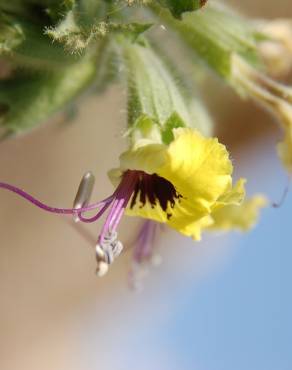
column 221, row 304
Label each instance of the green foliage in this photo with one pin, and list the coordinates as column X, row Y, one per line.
column 154, row 95
column 215, row 34
column 152, row 90
column 177, row 8
column 29, row 99
column 77, row 39
column 26, row 45
column 58, row 49
column 11, row 34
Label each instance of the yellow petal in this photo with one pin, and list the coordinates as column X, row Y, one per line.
column 234, row 196
column 200, row 170
column 242, row 217
column 147, row 157
column 195, row 229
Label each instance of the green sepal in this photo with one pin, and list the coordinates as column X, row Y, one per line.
column 174, row 121
column 144, row 128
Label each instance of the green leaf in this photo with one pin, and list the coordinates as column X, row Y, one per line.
column 25, row 44
column 76, row 38
column 154, row 93
column 30, row 99
column 215, row 34
column 177, row 8
column 152, row 89
column 11, row 34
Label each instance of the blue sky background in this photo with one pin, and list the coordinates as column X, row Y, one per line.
column 240, row 318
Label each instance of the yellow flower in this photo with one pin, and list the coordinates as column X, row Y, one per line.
column 241, row 217
column 186, row 184
column 180, row 184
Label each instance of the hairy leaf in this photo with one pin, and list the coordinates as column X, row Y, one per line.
column 29, row 99
column 154, row 94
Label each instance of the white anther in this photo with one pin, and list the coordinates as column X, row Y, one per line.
column 111, row 243
column 117, row 248
column 102, row 261
column 102, row 269
column 107, row 251
column 109, row 255
column 99, row 252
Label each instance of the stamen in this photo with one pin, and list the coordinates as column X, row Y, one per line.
column 105, row 206
column 122, row 197
column 143, row 255
column 133, row 185
column 144, row 242
column 108, row 246
column 107, row 252
column 84, row 192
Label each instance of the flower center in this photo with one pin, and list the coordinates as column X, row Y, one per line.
column 155, row 190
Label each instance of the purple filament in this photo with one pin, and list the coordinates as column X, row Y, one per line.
column 144, row 243
column 117, row 203
column 129, row 187
column 96, row 217
column 45, row 207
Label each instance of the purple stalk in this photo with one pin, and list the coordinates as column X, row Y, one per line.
column 145, row 242
column 97, row 216
column 122, row 196
column 116, row 202
column 45, row 207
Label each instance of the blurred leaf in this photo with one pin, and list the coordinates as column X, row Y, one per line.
column 77, row 38
column 25, row 44
column 29, row 99
column 215, row 34
column 177, row 8
column 107, row 66
column 11, row 34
